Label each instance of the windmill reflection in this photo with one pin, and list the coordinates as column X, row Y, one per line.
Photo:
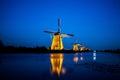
column 56, row 60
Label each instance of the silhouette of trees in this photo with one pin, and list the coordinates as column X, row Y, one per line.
column 42, row 49
column 1, row 44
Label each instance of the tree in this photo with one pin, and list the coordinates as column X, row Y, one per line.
column 1, row 44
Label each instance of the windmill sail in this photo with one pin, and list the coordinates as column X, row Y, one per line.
column 66, row 35
column 58, row 25
column 49, row 31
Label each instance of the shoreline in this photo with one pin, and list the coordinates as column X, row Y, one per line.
column 45, row 50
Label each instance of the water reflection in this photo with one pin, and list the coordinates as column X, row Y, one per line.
column 94, row 55
column 81, row 57
column 56, row 60
column 76, row 58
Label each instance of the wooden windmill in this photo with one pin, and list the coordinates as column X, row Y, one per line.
column 76, row 45
column 57, row 43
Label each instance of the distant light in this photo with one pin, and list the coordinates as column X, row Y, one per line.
column 75, row 59
column 63, row 70
column 81, row 58
column 94, row 54
column 94, row 58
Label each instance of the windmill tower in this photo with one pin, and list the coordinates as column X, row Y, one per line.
column 76, row 45
column 57, row 43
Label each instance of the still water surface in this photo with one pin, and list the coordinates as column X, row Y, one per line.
column 59, row 66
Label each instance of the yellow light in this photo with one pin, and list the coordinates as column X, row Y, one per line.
column 75, row 47
column 56, row 62
column 57, row 42
column 82, row 49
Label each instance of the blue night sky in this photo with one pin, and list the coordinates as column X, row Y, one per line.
column 95, row 23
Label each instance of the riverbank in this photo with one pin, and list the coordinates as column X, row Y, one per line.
column 35, row 50
column 10, row 49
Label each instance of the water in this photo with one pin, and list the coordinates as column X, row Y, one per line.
column 78, row 66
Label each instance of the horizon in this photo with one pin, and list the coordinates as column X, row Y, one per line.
column 95, row 24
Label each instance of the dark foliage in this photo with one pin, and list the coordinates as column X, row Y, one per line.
column 1, row 44
column 43, row 49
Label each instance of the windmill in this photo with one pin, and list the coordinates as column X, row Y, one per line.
column 57, row 43
column 82, row 48
column 76, row 45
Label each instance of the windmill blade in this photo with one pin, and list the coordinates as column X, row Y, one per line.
column 51, row 36
column 49, row 31
column 70, row 35
column 79, row 45
column 67, row 35
column 59, row 22
column 76, row 41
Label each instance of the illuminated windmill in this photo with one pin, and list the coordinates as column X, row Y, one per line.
column 76, row 45
column 82, row 48
column 57, row 38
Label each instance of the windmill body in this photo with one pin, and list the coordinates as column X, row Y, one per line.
column 75, row 47
column 57, row 43
column 82, row 48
